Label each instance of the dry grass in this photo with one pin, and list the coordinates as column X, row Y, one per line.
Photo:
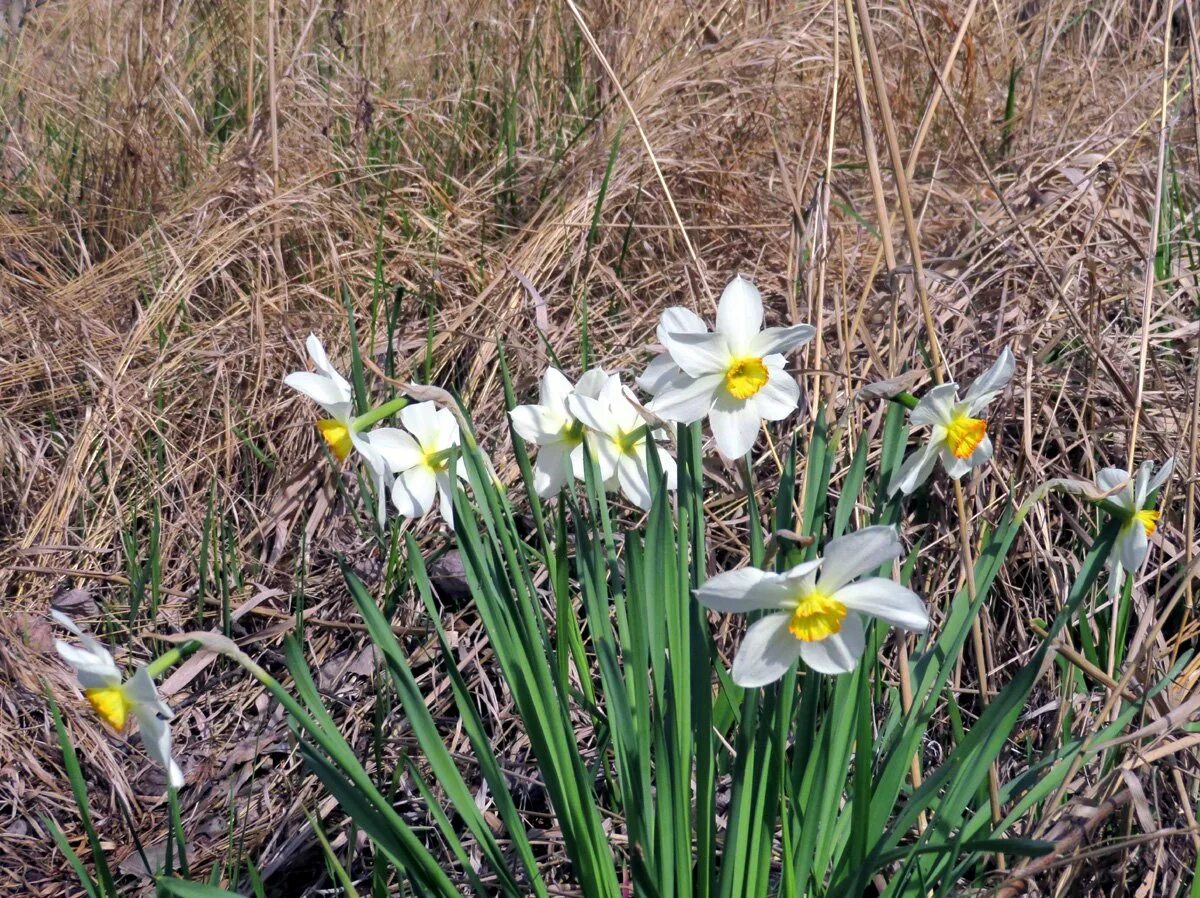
column 168, row 238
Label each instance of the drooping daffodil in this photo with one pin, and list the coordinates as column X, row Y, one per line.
column 333, row 393
column 115, row 700
column 554, row 429
column 1133, row 497
column 817, row 605
column 620, row 438
column 735, row 376
column 420, row 456
column 957, row 433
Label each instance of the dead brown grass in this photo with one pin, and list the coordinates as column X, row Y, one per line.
column 168, row 238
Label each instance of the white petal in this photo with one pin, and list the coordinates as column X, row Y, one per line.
column 661, row 373
column 735, row 424
column 915, row 470
column 956, row 467
column 748, row 589
column 1109, row 479
column 93, row 670
column 803, row 576
column 634, row 479
column 935, row 407
column 592, row 413
column 323, row 391
column 1116, row 575
column 445, row 491
column 1161, row 477
column 554, row 390
column 991, row 382
column 855, row 554
column 552, row 470
column 592, row 382
column 398, row 449
column 779, row 396
column 689, row 402
column 446, row 430
column 700, row 354
column 604, row 452
column 321, row 362
column 839, row 653
column 886, row 600
column 421, row 420
column 670, row 471
column 538, row 424
column 156, row 737
column 740, row 314
column 413, row 492
column 678, row 320
column 1132, row 545
column 780, row 339
column 767, row 651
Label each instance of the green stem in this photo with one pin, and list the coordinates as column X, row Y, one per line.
column 377, row 414
column 906, row 399
column 159, row 665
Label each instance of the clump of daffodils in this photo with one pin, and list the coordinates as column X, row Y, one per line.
column 620, row 439
column 115, row 699
column 734, row 376
column 555, row 430
column 1132, row 497
column 817, row 607
column 957, row 429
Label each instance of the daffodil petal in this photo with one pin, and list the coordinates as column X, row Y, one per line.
column 740, row 314
column 688, row 402
column 735, row 425
column 554, row 390
column 316, row 352
column 322, row 391
column 592, row 382
column 539, row 424
column 935, row 407
column 839, row 653
column 779, row 396
column 93, row 670
column 552, row 470
column 414, row 491
column 887, row 600
column 445, row 492
column 700, row 354
column 767, row 651
column 740, row 591
column 634, row 480
column 956, row 467
column 397, row 449
column 678, row 320
column 780, row 339
column 1161, row 477
column 589, row 411
column 861, row 552
column 991, row 382
column 421, row 420
column 915, row 470
column 660, row 374
column 1133, row 546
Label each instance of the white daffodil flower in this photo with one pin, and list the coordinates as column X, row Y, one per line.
column 1133, row 542
column 114, row 700
column 734, row 376
column 619, row 439
column 556, row 432
column 333, row 393
column 957, row 435
column 420, row 457
column 818, row 607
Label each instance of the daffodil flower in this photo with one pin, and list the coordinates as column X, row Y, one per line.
column 116, row 700
column 734, row 376
column 420, row 457
column 556, row 432
column 333, row 393
column 818, row 607
column 957, row 434
column 620, row 440
column 1133, row 541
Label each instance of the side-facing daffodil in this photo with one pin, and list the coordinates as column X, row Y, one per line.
column 116, row 700
column 957, row 433
column 619, row 439
column 420, row 457
column 817, row 607
column 556, row 432
column 734, row 376
column 1133, row 497
column 333, row 393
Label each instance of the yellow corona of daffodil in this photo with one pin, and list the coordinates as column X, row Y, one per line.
column 116, row 700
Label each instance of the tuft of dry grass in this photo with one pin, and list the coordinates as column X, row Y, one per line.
column 189, row 188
